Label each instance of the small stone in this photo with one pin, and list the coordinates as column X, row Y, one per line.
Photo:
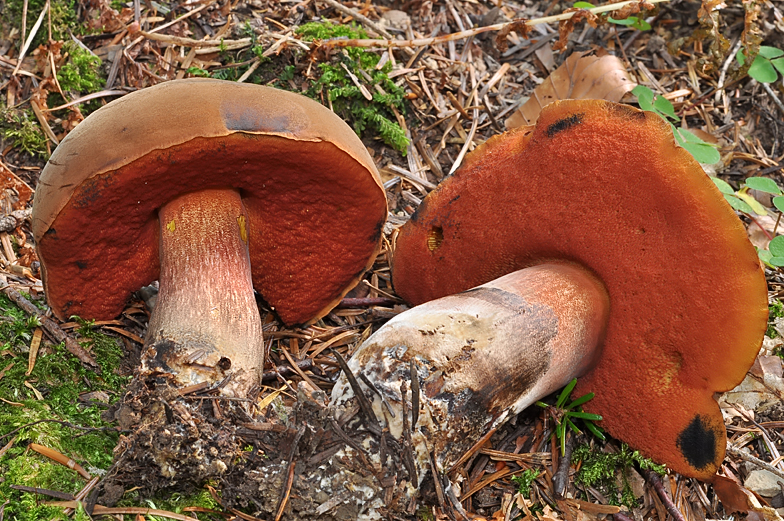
column 396, row 19
column 764, row 483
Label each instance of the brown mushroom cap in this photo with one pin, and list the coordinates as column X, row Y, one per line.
column 605, row 186
column 315, row 203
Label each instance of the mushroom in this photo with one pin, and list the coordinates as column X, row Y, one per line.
column 214, row 188
column 596, row 248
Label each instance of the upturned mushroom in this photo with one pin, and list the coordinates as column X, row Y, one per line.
column 214, row 188
column 596, row 248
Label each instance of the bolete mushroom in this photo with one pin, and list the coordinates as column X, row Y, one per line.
column 214, row 188
column 601, row 250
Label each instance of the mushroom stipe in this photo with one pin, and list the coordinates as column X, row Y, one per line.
column 604, row 187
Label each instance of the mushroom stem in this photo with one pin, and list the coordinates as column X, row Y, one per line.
column 205, row 325
column 482, row 355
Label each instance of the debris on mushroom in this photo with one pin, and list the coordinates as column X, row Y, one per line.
column 215, row 188
column 596, row 248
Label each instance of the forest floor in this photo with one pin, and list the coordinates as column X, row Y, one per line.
column 420, row 105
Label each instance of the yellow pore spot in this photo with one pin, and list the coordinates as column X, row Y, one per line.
column 243, row 229
column 171, row 226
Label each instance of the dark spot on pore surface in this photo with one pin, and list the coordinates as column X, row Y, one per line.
column 51, row 232
column 697, row 443
column 421, row 209
column 375, row 237
column 564, row 124
column 92, row 189
column 81, row 265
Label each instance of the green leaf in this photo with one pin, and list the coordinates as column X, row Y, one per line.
column 737, row 204
column 689, row 137
column 764, row 255
column 644, row 97
column 753, row 203
column 585, row 415
column 562, row 437
column 762, row 70
column 777, row 261
column 776, row 246
column 626, row 21
column 581, row 400
column 778, row 64
column 572, row 426
column 596, row 431
column 763, row 184
column 766, row 51
column 583, row 5
column 778, row 202
column 723, row 186
column 703, row 152
column 633, row 21
column 663, row 106
column 565, row 393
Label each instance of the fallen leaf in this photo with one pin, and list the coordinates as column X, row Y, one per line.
column 767, row 365
column 737, row 498
column 14, row 189
column 579, row 77
column 731, row 494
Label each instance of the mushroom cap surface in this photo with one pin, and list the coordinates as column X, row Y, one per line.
column 315, row 203
column 604, row 185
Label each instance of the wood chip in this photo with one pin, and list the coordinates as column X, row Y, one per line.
column 35, row 343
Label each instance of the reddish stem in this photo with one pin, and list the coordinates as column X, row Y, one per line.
column 755, row 221
column 205, row 325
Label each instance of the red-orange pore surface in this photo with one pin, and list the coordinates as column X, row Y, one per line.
column 605, row 186
column 312, row 227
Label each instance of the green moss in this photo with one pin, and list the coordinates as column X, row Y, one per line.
column 524, row 480
column 59, row 421
column 348, row 100
column 82, row 71
column 21, row 129
column 175, row 502
column 599, row 470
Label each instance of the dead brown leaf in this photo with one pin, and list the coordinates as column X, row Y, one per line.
column 737, row 498
column 566, row 27
column 732, row 495
column 579, row 77
column 632, row 9
column 14, row 193
column 519, row 26
column 711, row 28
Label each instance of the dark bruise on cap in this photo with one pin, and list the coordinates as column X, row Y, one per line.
column 564, row 124
column 240, row 117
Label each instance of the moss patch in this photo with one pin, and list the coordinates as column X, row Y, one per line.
column 21, row 130
column 347, row 98
column 66, row 419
